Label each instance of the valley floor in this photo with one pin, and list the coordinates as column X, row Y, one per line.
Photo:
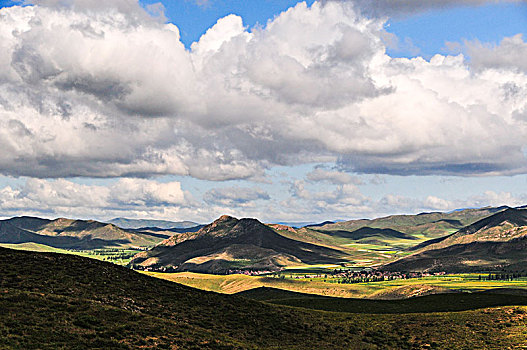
column 394, row 289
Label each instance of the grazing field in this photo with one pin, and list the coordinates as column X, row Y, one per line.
column 394, row 289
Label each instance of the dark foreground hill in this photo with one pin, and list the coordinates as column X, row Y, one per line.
column 229, row 243
column 73, row 234
column 495, row 243
column 51, row 301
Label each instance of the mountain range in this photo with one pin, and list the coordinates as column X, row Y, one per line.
column 465, row 240
column 229, row 243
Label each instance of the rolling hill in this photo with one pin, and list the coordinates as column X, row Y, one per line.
column 230, row 244
column 73, row 234
column 58, row 301
column 424, row 225
column 495, row 243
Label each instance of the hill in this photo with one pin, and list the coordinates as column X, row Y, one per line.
column 424, row 225
column 72, row 234
column 230, row 244
column 52, row 301
column 141, row 223
column 495, row 243
column 373, row 242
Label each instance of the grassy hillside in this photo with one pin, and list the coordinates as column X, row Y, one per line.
column 495, row 243
column 402, row 229
column 379, row 241
column 51, row 301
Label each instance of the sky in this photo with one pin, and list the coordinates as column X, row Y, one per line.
column 282, row 110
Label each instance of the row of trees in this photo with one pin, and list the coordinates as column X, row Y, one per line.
column 500, row 277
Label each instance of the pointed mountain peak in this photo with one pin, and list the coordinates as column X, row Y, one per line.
column 225, row 218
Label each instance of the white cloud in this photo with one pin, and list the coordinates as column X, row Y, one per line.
column 391, row 204
column 90, row 90
column 342, row 200
column 148, row 193
column 509, row 55
column 333, row 176
column 140, row 198
column 491, row 198
column 230, row 197
column 124, row 197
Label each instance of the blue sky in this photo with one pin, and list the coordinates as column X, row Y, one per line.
column 194, row 18
column 487, row 23
column 238, row 127
column 428, row 31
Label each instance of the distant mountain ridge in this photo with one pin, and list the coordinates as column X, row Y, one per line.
column 72, row 234
column 147, row 223
column 229, row 243
column 433, row 225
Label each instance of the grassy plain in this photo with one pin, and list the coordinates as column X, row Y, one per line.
column 395, row 289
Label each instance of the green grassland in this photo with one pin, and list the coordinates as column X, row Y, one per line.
column 58, row 301
column 394, row 289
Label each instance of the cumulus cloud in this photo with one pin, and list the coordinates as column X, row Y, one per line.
column 332, row 176
column 235, row 196
column 148, row 193
column 141, row 198
column 126, row 196
column 390, row 203
column 491, row 198
column 342, row 200
column 509, row 55
column 105, row 90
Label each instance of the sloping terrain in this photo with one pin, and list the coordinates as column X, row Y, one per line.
column 72, row 234
column 52, row 301
column 368, row 235
column 229, row 243
column 500, row 227
column 378, row 241
column 424, row 225
column 498, row 242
